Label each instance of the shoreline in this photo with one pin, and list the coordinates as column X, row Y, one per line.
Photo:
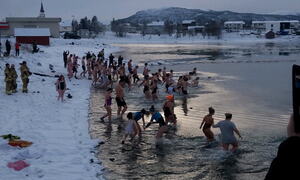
column 59, row 131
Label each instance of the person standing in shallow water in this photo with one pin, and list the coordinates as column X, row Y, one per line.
column 227, row 132
column 120, row 98
column 208, row 121
column 157, row 118
column 107, row 104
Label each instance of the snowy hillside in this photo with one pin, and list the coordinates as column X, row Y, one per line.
column 179, row 14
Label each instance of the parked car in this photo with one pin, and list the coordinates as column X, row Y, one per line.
column 68, row 35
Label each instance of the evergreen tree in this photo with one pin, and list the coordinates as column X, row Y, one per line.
column 168, row 26
column 75, row 25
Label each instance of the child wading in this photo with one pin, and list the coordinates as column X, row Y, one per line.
column 131, row 127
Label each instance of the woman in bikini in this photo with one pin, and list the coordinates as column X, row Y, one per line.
column 208, row 121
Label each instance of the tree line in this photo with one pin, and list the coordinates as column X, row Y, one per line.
column 210, row 29
column 92, row 25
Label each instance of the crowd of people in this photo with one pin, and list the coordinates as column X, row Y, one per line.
column 114, row 75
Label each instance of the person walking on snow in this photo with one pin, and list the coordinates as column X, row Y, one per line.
column 61, row 87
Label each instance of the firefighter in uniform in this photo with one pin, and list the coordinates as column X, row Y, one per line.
column 8, row 80
column 25, row 73
column 14, row 76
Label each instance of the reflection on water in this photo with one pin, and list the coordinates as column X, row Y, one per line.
column 205, row 53
column 257, row 94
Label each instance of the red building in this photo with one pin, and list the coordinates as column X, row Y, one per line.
column 29, row 35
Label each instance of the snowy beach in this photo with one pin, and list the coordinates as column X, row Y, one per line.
column 62, row 147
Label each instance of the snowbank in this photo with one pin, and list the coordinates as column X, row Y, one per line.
column 62, row 147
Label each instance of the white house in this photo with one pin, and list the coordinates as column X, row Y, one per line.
column 155, row 27
column 65, row 26
column 275, row 26
column 234, row 26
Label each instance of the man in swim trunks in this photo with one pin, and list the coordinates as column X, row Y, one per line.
column 120, row 98
column 227, row 132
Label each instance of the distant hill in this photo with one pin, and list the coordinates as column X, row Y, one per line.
column 177, row 15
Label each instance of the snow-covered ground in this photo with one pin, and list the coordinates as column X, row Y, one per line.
column 62, row 147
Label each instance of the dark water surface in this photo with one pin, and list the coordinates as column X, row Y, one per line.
column 252, row 81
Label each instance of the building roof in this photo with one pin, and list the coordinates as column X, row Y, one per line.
column 32, row 19
column 188, row 21
column 234, row 22
column 66, row 23
column 32, row 32
column 156, row 23
column 195, row 27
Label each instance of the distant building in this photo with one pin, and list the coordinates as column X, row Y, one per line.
column 65, row 26
column 29, row 35
column 128, row 28
column 155, row 27
column 34, row 22
column 279, row 27
column 186, row 24
column 234, row 26
column 195, row 29
column 4, row 28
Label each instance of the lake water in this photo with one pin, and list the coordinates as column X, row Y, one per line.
column 252, row 81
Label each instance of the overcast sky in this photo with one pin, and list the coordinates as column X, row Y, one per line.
column 105, row 10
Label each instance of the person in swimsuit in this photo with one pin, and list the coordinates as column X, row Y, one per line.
column 61, row 87
column 131, row 127
column 208, row 121
column 227, row 132
column 120, row 98
column 135, row 74
column 83, row 65
column 157, row 118
column 107, row 104
column 146, row 90
column 168, row 108
column 138, row 116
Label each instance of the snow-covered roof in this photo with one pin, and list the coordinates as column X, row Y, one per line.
column 234, row 22
column 188, row 21
column 66, row 23
column 156, row 23
column 32, row 32
column 195, row 27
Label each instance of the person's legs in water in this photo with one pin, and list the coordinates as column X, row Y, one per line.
column 225, row 147
column 124, row 110
column 161, row 131
column 234, row 147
